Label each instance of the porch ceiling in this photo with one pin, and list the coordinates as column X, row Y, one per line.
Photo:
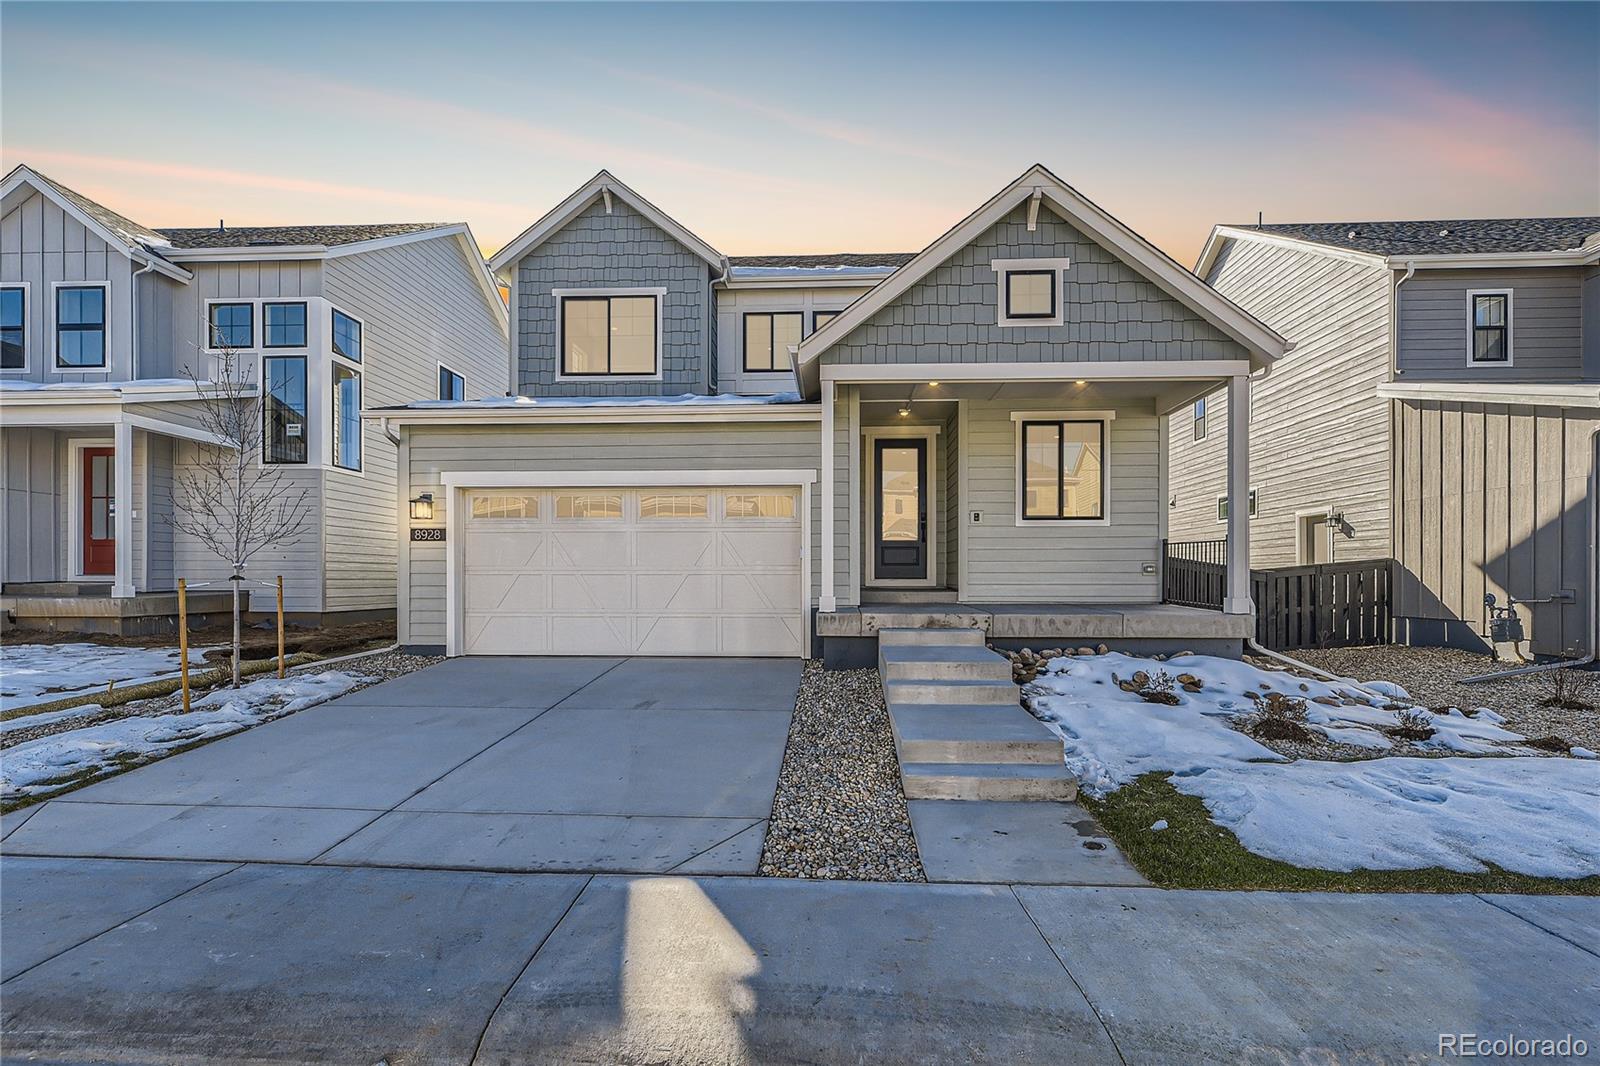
column 1166, row 393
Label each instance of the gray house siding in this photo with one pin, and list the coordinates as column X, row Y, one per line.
column 1591, row 323
column 420, row 307
column 41, row 245
column 733, row 304
column 35, row 530
column 1546, row 325
column 1112, row 312
column 431, row 452
column 622, row 249
column 1492, row 498
column 1319, row 433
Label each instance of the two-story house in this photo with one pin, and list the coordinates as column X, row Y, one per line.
column 108, row 325
column 778, row 455
column 1440, row 408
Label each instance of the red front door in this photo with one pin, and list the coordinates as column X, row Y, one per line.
column 99, row 503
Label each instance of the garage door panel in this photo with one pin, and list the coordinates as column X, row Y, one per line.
column 651, row 585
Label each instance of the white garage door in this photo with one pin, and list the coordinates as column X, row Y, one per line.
column 691, row 571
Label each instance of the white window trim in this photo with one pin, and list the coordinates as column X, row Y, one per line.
column 27, row 326
column 55, row 350
column 1201, row 418
column 260, row 320
column 333, row 309
column 1472, row 318
column 1300, row 533
column 333, row 414
column 255, row 323
column 1002, row 267
column 869, row 438
column 792, row 350
column 561, row 356
column 442, row 366
column 1252, row 495
column 1105, row 418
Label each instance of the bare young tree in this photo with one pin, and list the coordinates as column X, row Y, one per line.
column 227, row 498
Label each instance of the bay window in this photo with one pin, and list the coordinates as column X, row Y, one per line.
column 284, row 325
column 284, row 409
column 346, row 418
column 231, row 325
column 346, row 336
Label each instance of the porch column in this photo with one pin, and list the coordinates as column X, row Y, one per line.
column 827, row 601
column 122, row 520
column 1237, row 598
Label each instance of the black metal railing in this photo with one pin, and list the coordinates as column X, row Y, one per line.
column 1194, row 573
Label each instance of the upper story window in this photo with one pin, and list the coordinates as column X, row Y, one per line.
column 1030, row 291
column 610, row 335
column 346, row 417
column 452, row 386
column 232, row 325
column 80, row 326
column 284, row 325
column 346, row 336
column 1491, row 327
column 822, row 318
column 13, row 328
column 283, row 423
column 1200, row 419
column 1062, row 469
column 768, row 336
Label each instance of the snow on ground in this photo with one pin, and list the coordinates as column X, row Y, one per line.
column 37, row 673
column 39, row 767
column 1535, row 816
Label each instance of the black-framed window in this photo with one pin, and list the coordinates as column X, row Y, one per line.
column 1063, row 470
column 1200, row 419
column 610, row 336
column 81, row 326
column 346, row 336
column 822, row 318
column 768, row 335
column 1030, row 294
column 452, row 386
column 283, row 423
column 1491, row 327
column 232, row 325
column 1222, row 506
column 346, row 417
column 13, row 328
column 283, row 325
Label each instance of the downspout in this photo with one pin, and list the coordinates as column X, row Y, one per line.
column 394, row 438
column 133, row 319
column 1394, row 322
column 1594, row 581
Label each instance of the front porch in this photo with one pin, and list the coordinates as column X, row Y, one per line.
column 82, row 607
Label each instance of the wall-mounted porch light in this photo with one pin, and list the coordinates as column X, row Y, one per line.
column 422, row 507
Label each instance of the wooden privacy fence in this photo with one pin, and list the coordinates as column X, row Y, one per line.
column 1329, row 605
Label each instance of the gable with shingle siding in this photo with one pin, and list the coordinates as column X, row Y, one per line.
column 622, row 249
column 1112, row 312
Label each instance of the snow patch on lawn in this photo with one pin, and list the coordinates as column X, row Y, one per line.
column 1538, row 816
column 39, row 767
column 38, row 673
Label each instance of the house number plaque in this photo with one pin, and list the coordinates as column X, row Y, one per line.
column 428, row 533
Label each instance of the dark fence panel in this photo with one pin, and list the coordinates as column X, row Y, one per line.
column 1330, row 605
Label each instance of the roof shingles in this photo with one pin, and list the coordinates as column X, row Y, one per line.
column 1472, row 236
column 290, row 236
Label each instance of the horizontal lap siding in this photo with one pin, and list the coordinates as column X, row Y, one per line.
column 1546, row 325
column 420, row 305
column 1496, row 501
column 731, row 446
column 1056, row 561
column 1112, row 312
column 1319, row 433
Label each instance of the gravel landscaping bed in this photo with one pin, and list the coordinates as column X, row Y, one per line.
column 377, row 667
column 1433, row 677
column 839, row 812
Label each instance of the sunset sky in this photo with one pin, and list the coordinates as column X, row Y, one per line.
column 808, row 127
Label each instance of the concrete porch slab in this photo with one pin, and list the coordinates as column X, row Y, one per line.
column 1086, row 623
column 986, row 841
column 293, row 964
column 536, row 842
column 168, row 831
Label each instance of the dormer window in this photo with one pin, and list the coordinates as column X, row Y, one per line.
column 1491, row 328
column 1030, row 291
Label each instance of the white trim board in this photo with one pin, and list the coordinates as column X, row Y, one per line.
column 1020, row 490
column 1472, row 327
column 870, row 435
column 1574, row 394
column 597, row 414
column 21, row 175
column 27, row 326
column 1091, row 370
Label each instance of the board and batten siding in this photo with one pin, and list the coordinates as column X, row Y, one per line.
column 731, row 307
column 31, row 476
column 1061, row 561
column 1494, row 498
column 1112, row 312
column 420, row 306
column 433, row 451
column 1546, row 325
column 619, row 250
column 181, row 349
column 1319, row 433
column 41, row 244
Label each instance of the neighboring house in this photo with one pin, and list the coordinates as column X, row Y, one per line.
column 778, row 455
column 105, row 321
column 1439, row 408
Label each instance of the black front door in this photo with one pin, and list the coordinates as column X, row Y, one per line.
column 900, row 532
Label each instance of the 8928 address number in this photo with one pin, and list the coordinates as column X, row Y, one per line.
column 428, row 533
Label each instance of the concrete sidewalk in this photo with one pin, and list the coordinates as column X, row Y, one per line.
column 129, row 960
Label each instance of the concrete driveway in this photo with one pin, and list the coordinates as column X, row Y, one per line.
column 567, row 764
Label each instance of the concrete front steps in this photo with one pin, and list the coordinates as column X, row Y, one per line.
column 958, row 728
